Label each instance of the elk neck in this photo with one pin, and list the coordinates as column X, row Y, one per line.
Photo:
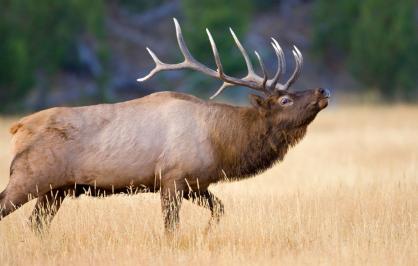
column 247, row 142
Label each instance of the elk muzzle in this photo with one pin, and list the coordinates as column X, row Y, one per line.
column 323, row 96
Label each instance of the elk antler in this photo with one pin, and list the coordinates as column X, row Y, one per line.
column 251, row 80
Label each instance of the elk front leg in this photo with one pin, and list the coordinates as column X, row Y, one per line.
column 171, row 197
column 45, row 209
column 208, row 200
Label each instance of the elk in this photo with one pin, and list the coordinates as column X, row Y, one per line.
column 169, row 142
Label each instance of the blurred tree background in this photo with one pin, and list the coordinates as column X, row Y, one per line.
column 39, row 38
column 377, row 38
column 48, row 47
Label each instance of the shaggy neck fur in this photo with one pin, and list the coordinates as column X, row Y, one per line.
column 247, row 142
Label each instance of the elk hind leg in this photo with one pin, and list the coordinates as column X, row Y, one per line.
column 171, row 197
column 46, row 208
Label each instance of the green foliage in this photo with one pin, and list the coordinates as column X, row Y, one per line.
column 141, row 5
column 378, row 39
column 41, row 36
column 333, row 24
column 265, row 5
column 390, row 35
column 217, row 16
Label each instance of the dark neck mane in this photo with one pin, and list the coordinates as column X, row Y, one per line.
column 248, row 143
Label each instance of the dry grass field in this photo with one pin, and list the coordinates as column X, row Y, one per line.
column 346, row 195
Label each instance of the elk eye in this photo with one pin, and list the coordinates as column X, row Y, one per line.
column 285, row 100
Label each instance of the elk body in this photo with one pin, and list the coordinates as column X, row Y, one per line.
column 169, row 142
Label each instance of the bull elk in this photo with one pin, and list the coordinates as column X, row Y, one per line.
column 169, row 142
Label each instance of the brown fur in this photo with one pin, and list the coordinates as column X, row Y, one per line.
column 249, row 144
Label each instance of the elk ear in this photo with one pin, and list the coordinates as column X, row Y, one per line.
column 258, row 101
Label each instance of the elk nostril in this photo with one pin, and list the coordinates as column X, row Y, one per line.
column 324, row 92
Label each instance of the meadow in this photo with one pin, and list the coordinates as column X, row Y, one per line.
column 346, row 195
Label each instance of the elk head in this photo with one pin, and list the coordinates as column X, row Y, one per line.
column 289, row 109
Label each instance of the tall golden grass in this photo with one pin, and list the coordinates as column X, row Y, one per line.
column 346, row 195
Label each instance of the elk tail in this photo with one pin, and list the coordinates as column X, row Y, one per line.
column 15, row 127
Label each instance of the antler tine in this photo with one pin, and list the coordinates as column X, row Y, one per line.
column 157, row 68
column 299, row 61
column 243, row 52
column 278, row 50
column 224, row 85
column 262, row 69
column 282, row 58
column 215, row 54
column 180, row 40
